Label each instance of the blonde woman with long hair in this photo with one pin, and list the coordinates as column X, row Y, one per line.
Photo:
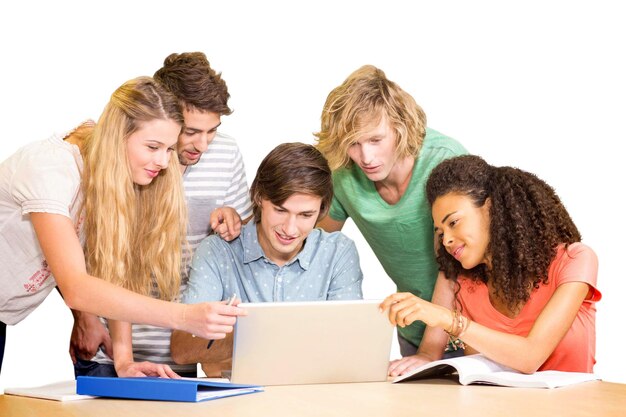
column 100, row 202
column 217, row 199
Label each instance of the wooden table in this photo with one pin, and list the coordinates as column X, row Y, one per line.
column 440, row 398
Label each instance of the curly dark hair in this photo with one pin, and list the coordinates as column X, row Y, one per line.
column 527, row 224
column 191, row 79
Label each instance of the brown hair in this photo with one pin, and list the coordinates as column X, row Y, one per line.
column 527, row 223
column 191, row 79
column 288, row 169
column 363, row 99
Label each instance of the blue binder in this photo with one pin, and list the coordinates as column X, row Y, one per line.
column 160, row 389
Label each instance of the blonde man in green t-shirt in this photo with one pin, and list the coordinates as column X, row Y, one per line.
column 375, row 138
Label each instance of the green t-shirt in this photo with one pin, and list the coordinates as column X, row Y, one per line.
column 401, row 235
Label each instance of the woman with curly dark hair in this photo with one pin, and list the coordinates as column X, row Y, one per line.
column 516, row 284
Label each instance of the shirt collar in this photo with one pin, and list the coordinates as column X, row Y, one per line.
column 253, row 251
column 251, row 248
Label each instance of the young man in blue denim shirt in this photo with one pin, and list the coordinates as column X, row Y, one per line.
column 278, row 257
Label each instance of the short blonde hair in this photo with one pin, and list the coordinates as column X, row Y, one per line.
column 363, row 99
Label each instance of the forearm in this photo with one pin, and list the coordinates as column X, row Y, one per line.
column 501, row 347
column 548, row 330
column 95, row 296
column 88, row 318
column 121, row 334
column 125, row 365
column 435, row 339
column 506, row 348
column 187, row 349
column 88, row 334
column 81, row 291
column 433, row 344
column 329, row 224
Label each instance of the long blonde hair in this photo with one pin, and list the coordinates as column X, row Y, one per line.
column 134, row 234
column 360, row 101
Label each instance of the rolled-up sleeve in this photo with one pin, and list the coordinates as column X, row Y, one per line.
column 347, row 276
column 205, row 281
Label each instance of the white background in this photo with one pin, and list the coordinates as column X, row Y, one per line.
column 538, row 85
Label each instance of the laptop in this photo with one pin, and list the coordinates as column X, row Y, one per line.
column 311, row 342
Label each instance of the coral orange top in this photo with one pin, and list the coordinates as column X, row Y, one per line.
column 576, row 351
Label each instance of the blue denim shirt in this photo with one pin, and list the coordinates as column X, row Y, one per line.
column 327, row 268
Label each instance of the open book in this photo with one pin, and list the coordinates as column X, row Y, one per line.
column 477, row 369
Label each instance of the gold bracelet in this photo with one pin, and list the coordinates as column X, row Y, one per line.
column 458, row 327
column 449, row 329
column 465, row 327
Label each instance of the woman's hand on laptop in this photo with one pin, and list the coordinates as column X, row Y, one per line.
column 211, row 320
